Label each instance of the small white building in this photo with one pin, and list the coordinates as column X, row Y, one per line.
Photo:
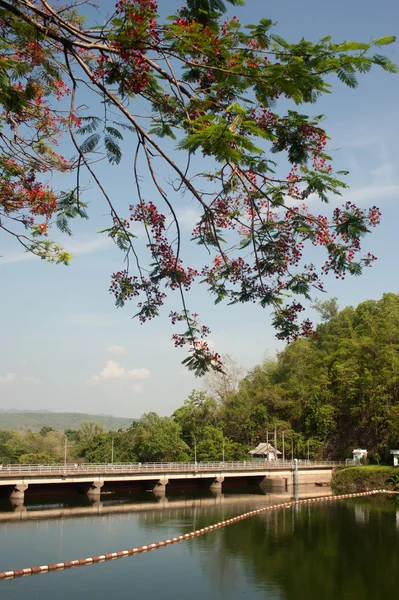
column 395, row 454
column 266, row 451
column 358, row 454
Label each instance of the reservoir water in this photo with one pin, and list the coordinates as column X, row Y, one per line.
column 347, row 550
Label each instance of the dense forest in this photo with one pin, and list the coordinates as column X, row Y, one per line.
column 323, row 396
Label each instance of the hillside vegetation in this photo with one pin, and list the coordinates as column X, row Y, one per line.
column 23, row 421
column 362, row 479
column 336, row 391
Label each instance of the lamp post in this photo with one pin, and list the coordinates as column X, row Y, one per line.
column 65, row 451
column 283, row 448
column 195, row 450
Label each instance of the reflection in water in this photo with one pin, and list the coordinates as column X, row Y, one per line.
column 340, row 551
column 346, row 550
column 74, row 506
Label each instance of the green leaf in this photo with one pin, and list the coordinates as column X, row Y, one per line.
column 236, row 109
column 162, row 130
column 348, row 78
column 114, row 132
column 114, row 153
column 385, row 63
column 348, row 46
column 384, row 41
column 90, row 144
column 62, row 224
column 91, row 125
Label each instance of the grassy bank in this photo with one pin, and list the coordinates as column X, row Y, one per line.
column 361, row 479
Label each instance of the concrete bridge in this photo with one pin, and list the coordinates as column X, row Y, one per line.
column 93, row 479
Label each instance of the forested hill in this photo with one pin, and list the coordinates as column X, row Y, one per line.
column 34, row 421
column 336, row 391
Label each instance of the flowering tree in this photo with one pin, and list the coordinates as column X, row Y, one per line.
column 211, row 87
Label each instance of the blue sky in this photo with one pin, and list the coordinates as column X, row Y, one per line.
column 65, row 347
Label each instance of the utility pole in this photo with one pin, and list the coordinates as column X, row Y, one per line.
column 292, row 449
column 267, row 444
column 112, row 452
column 223, row 448
column 296, row 490
column 283, row 447
column 195, row 450
column 275, row 442
column 65, row 451
column 308, row 451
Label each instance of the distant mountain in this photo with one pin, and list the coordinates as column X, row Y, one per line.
column 25, row 419
column 19, row 410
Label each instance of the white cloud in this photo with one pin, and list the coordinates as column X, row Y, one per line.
column 115, row 372
column 119, row 350
column 76, row 248
column 383, row 171
column 8, row 378
column 137, row 388
column 373, row 194
column 90, row 246
column 15, row 258
column 141, row 373
column 13, row 377
column 188, row 217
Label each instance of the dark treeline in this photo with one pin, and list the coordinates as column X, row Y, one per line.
column 323, row 395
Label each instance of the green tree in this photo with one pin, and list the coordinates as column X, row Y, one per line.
column 89, row 430
column 158, row 439
column 98, row 449
column 36, row 459
column 327, row 309
column 214, row 446
column 198, row 411
column 45, row 430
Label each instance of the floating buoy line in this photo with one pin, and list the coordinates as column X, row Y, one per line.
column 5, row 575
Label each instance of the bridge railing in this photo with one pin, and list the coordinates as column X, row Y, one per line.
column 143, row 468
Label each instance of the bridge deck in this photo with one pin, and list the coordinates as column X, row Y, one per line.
column 40, row 474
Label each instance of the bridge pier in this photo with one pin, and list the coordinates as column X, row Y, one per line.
column 18, row 506
column 94, row 491
column 18, row 492
column 160, row 487
column 216, row 485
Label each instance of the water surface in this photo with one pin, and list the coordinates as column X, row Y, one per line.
column 348, row 550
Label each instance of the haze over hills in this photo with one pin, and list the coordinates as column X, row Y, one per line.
column 34, row 420
column 19, row 410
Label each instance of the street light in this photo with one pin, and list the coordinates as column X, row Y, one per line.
column 65, row 451
column 195, row 449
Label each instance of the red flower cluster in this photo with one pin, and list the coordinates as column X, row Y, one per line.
column 137, row 34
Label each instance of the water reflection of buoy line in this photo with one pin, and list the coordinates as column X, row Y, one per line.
column 154, row 546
